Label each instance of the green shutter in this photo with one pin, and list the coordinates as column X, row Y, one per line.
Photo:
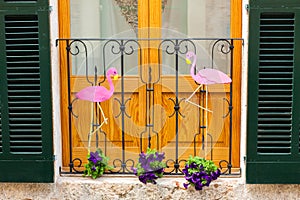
column 0, row 128
column 273, row 92
column 26, row 153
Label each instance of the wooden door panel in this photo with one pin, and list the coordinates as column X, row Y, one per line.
column 134, row 127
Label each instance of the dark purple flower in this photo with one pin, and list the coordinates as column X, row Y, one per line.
column 208, row 179
column 148, row 177
column 94, row 157
column 186, row 185
column 193, row 165
column 201, row 168
column 143, row 155
column 134, row 170
column 93, row 168
column 160, row 170
column 146, row 161
column 189, row 178
column 216, row 174
column 195, row 178
column 159, row 156
column 143, row 178
column 198, row 186
column 186, row 171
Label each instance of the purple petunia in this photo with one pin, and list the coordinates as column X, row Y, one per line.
column 186, row 185
column 186, row 171
column 194, row 165
column 150, row 166
column 97, row 164
column 94, row 157
column 146, row 162
column 159, row 156
column 148, row 177
column 198, row 186
column 200, row 172
column 216, row 174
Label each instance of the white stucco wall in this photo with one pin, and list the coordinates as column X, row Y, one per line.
column 244, row 95
column 55, row 86
column 111, row 187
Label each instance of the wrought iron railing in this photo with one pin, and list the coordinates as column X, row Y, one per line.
column 174, row 47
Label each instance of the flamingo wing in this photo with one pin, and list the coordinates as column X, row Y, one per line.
column 213, row 76
column 87, row 93
column 94, row 94
column 102, row 94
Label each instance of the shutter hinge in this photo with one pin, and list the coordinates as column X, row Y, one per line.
column 45, row 9
column 247, row 7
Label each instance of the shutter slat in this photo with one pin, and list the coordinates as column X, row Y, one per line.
column 273, row 133
column 27, row 142
column 21, row 45
column 20, row 120
column 27, row 136
column 275, row 73
column 23, row 79
column 22, row 62
column 274, row 103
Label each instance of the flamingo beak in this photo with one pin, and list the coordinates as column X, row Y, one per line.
column 188, row 61
column 116, row 77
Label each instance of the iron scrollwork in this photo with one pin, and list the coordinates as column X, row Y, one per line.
column 124, row 48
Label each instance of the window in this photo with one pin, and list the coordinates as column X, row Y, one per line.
column 137, row 105
column 274, row 93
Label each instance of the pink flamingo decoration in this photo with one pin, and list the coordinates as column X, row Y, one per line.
column 205, row 77
column 98, row 94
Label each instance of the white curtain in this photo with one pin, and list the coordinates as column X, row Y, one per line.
column 197, row 19
column 98, row 19
column 180, row 18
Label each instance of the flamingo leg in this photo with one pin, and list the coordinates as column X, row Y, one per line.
column 92, row 124
column 91, row 128
column 105, row 119
column 188, row 100
column 193, row 93
column 206, row 120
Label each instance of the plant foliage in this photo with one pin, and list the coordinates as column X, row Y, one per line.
column 199, row 172
column 150, row 166
column 97, row 164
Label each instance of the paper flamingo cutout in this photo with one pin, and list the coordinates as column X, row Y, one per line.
column 98, row 94
column 204, row 77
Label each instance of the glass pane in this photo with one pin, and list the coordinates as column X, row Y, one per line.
column 101, row 19
column 197, row 19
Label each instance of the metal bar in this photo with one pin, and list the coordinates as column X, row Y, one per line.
column 68, row 49
column 122, row 48
column 230, row 108
column 176, row 165
column 148, row 39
